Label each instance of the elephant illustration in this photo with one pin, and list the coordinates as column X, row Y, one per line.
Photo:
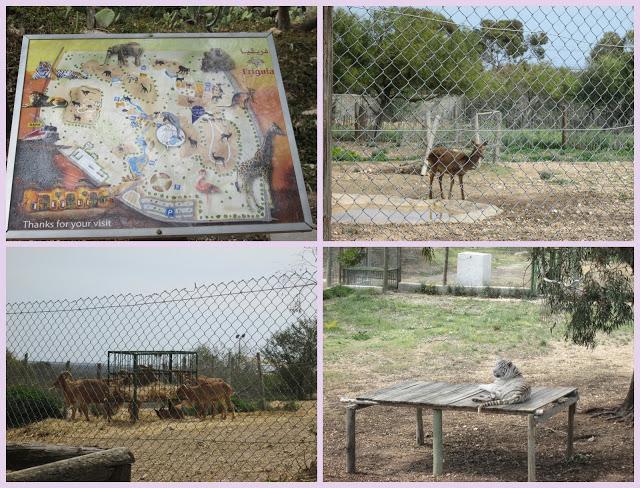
column 123, row 51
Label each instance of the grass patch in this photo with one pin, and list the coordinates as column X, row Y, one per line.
column 337, row 292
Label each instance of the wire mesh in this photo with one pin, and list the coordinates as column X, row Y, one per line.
column 213, row 383
column 549, row 90
column 510, row 267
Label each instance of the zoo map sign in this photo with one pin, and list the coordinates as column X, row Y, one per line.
column 158, row 134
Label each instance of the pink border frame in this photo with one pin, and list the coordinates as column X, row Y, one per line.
column 319, row 241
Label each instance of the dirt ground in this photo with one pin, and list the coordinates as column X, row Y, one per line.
column 483, row 447
column 260, row 446
column 570, row 201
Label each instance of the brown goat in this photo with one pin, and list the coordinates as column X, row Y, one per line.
column 81, row 393
column 452, row 162
column 207, row 392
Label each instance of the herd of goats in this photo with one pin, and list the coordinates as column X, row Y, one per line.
column 108, row 396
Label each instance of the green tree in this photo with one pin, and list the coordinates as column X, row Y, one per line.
column 402, row 55
column 592, row 288
column 607, row 82
column 293, row 352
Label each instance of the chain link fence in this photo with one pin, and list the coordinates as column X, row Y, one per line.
column 416, row 91
column 409, row 269
column 214, row 383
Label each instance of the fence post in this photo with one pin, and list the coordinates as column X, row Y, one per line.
column 385, row 270
column 329, row 266
column 340, row 270
column 476, row 128
column 134, row 403
column 327, row 103
column 534, row 278
column 399, row 265
column 445, row 271
column 564, row 126
column 26, row 358
column 263, row 400
column 99, row 371
column 496, row 152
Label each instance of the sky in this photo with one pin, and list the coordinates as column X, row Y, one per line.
column 572, row 31
column 181, row 318
column 32, row 273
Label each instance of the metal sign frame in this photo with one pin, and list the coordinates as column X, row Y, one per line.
column 161, row 231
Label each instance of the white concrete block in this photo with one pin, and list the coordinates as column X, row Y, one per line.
column 474, row 269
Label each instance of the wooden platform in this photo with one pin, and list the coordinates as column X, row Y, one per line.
column 448, row 396
column 544, row 403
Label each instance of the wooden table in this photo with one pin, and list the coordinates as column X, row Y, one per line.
column 544, row 403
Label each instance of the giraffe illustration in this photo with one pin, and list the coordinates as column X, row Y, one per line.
column 258, row 167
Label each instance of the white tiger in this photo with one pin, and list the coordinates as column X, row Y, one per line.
column 509, row 387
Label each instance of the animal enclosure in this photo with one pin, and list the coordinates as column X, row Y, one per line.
column 417, row 91
column 158, row 373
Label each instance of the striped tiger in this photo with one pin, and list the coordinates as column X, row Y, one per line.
column 509, row 387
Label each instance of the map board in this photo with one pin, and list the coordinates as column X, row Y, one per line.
column 152, row 135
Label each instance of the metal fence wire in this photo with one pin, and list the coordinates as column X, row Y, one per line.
column 481, row 122
column 213, row 383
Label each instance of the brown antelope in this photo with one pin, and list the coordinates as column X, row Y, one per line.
column 452, row 162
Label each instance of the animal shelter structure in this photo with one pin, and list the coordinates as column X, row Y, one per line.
column 137, row 369
column 545, row 402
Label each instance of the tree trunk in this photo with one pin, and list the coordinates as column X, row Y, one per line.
column 627, row 405
column 283, row 21
column 91, row 18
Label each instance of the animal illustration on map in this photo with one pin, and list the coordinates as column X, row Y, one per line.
column 85, row 92
column 144, row 88
column 124, row 51
column 258, row 167
column 107, row 73
column 243, row 98
column 173, row 120
column 77, row 117
column 225, row 136
column 203, row 186
column 193, row 142
column 39, row 99
column 218, row 159
column 158, row 62
column 178, row 78
column 183, row 70
column 74, row 103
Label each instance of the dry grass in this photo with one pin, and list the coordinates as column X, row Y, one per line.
column 575, row 201
column 260, row 446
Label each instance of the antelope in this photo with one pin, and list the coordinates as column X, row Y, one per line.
column 452, row 162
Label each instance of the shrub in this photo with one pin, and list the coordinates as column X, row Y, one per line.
column 341, row 154
column 244, row 405
column 428, row 289
column 338, row 291
column 489, row 292
column 28, row 404
column 291, row 406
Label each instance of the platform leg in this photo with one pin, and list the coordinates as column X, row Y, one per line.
column 571, row 415
column 351, row 440
column 531, row 449
column 437, row 443
column 419, row 428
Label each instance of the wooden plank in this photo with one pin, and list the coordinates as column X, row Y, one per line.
column 369, row 395
column 424, row 391
column 571, row 415
column 457, row 396
column 351, row 440
column 559, row 405
column 531, row 449
column 403, row 395
column 438, row 448
column 419, row 427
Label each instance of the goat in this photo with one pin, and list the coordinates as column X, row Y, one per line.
column 84, row 392
column 205, row 392
column 452, row 162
